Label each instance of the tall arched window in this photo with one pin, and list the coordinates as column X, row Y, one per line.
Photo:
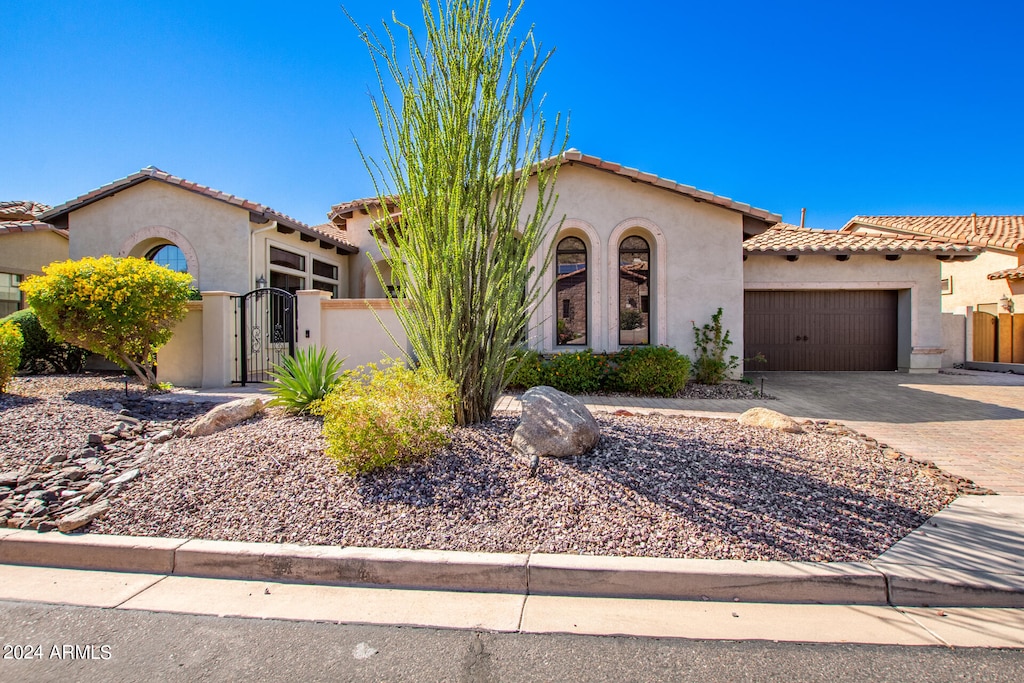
column 634, row 291
column 168, row 256
column 571, row 292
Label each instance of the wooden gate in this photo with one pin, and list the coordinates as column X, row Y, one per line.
column 986, row 337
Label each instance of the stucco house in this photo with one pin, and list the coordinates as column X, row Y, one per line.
column 225, row 242
column 26, row 245
column 987, row 291
column 828, row 300
column 640, row 259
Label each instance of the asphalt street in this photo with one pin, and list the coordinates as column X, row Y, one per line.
column 91, row 644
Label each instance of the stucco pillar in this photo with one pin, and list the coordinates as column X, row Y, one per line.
column 968, row 334
column 218, row 339
column 309, row 317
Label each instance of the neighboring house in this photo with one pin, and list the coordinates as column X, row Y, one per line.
column 992, row 285
column 225, row 242
column 26, row 245
column 640, row 259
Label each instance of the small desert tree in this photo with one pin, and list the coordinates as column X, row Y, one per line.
column 462, row 139
column 120, row 308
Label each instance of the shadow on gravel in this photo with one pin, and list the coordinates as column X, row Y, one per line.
column 752, row 501
column 9, row 401
column 459, row 477
column 138, row 402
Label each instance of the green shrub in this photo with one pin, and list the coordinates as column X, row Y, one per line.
column 10, row 352
column 41, row 352
column 304, row 378
column 577, row 372
column 712, row 343
column 526, row 369
column 631, row 319
column 650, row 370
column 382, row 417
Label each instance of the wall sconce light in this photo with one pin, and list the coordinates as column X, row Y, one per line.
column 261, row 282
column 1007, row 304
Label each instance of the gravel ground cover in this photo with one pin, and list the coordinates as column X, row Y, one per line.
column 655, row 486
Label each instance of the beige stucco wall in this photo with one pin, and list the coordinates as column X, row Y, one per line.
column 25, row 253
column 129, row 223
column 180, row 361
column 351, row 328
column 696, row 258
column 954, row 330
column 363, row 282
column 917, row 276
column 971, row 286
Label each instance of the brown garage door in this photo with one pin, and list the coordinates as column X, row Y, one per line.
column 831, row 330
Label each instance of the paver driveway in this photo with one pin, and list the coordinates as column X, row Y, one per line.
column 970, row 424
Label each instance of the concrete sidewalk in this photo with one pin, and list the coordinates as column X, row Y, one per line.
column 503, row 612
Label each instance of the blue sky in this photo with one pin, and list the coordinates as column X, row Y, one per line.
column 845, row 108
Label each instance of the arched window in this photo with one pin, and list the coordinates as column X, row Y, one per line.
column 571, row 292
column 168, row 256
column 634, row 291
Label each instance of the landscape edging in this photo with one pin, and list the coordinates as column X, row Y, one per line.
column 534, row 574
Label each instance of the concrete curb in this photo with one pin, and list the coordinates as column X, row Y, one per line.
column 536, row 574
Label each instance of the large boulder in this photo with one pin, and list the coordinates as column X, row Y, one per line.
column 772, row 419
column 554, row 424
column 227, row 415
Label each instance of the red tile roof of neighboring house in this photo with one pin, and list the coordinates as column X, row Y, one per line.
column 21, row 210
column 339, row 212
column 1009, row 274
column 790, row 239
column 1006, row 232
column 264, row 213
column 11, row 227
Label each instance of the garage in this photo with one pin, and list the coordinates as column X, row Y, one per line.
column 821, row 330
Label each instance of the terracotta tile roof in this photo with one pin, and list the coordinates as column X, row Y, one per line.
column 789, row 239
column 1006, row 232
column 152, row 173
column 330, row 231
column 340, row 212
column 11, row 227
column 1009, row 274
column 21, row 210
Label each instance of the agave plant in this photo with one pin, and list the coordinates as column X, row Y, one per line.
column 305, row 378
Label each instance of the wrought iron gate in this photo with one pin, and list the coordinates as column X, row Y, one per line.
column 264, row 333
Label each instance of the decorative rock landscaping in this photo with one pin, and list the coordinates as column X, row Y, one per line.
column 653, row 486
column 72, row 445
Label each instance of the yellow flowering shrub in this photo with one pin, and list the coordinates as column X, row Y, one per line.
column 121, row 308
column 376, row 418
column 10, row 352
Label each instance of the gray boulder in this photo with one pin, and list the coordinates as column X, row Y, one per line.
column 554, row 424
column 227, row 415
column 763, row 417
